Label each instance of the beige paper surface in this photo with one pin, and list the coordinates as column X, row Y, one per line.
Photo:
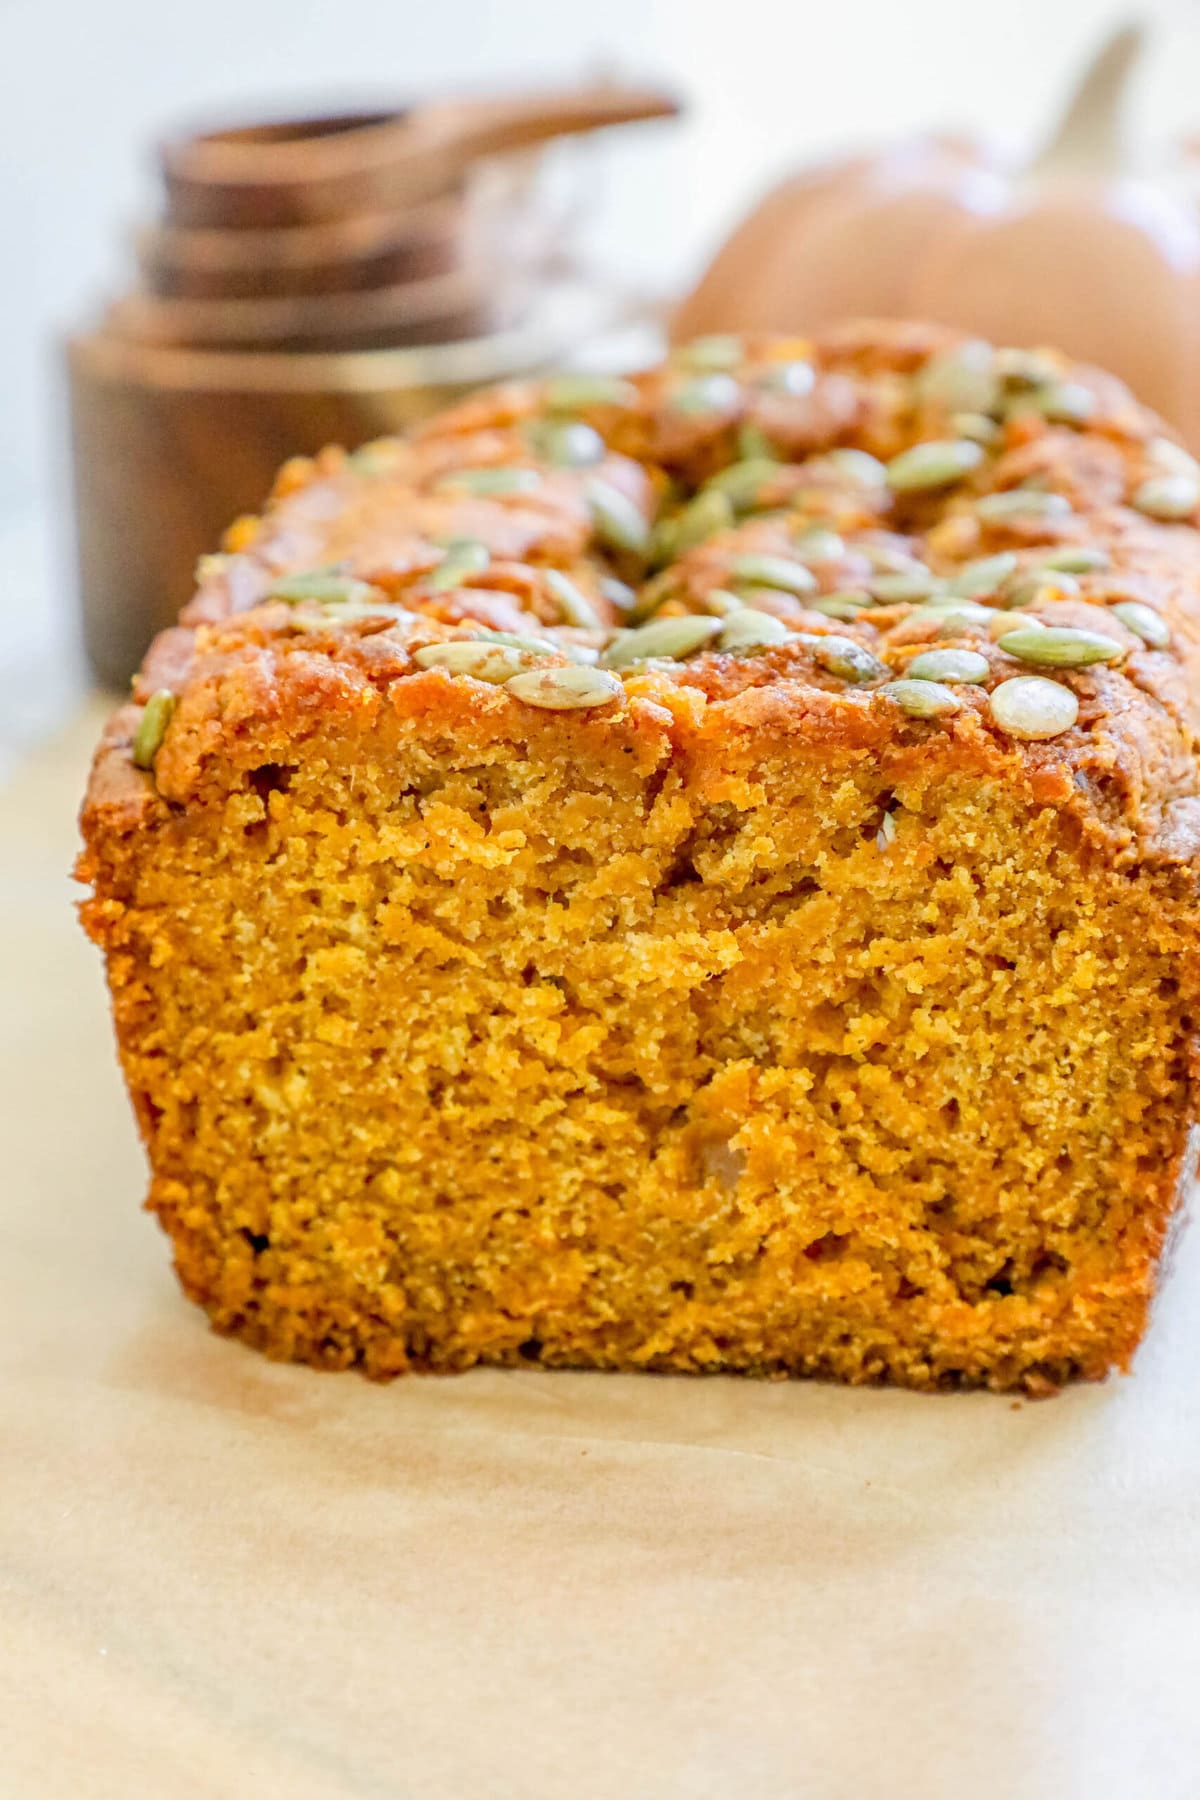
column 223, row 1577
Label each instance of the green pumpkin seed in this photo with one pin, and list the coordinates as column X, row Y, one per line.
column 754, row 445
column 536, row 646
column 1061, row 402
column 1168, row 497
column 720, row 350
column 953, row 616
column 617, row 522
column 705, row 394
column 794, row 378
column 152, row 727
column 721, row 602
column 743, row 482
column 921, row 699
column 464, row 556
column 886, row 559
column 1029, row 706
column 1144, row 622
column 1074, row 559
column 493, row 480
column 1034, row 587
column 567, row 443
column 565, row 690
column 847, row 603
column 1025, row 368
column 948, row 665
column 619, row 594
column 747, row 629
column 844, row 657
column 484, row 661
column 984, row 575
column 575, row 393
column 711, row 511
column 1061, row 646
column 774, row 572
column 933, row 465
column 978, row 427
column 573, row 604
column 961, row 379
column 1002, row 622
column 325, row 588
column 858, row 467
column 672, row 638
column 894, row 590
column 375, row 458
column 1032, row 504
column 819, row 545
column 1170, row 458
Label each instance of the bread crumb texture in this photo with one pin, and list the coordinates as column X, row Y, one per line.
column 695, row 1008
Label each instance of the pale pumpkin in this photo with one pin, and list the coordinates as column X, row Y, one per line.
column 1073, row 249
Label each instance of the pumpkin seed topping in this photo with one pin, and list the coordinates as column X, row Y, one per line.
column 672, row 638
column 743, row 481
column 575, row 393
column 1170, row 458
column 1029, row 706
column 843, row 657
column 495, row 479
column 152, row 727
column 747, row 629
column 951, row 614
column 720, row 350
column 326, row 588
column 819, row 545
column 568, row 443
column 469, row 656
column 933, row 465
column 1074, row 559
column 705, row 394
column 893, row 590
column 961, row 379
column 573, row 604
column 721, row 602
column 1061, row 402
column 1034, row 504
column 1168, row 497
column 567, row 689
column 1144, row 622
column 921, row 699
column 978, row 427
column 754, row 444
column 711, row 511
column 774, row 572
column 846, row 604
column 617, row 522
column 1036, row 587
column 1063, row 647
column 984, row 575
column 618, row 593
column 794, row 378
column 948, row 665
column 857, row 466
column 464, row 556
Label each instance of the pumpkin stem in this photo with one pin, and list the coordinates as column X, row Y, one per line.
column 1089, row 136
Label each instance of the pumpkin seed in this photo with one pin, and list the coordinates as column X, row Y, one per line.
column 568, row 443
column 949, row 612
column 1001, row 623
column 747, row 629
column 936, row 464
column 574, row 605
column 984, row 575
column 375, row 458
column 617, row 522
column 575, row 393
column 1062, row 646
column 720, row 350
column 1022, row 503
column 948, row 665
column 565, row 690
column 921, row 699
column 705, row 394
column 742, row 482
column 464, row 556
column 1034, row 587
column 844, row 657
column 619, row 594
column 1061, row 402
column 794, row 378
column 1025, row 368
column 1029, row 706
column 1168, row 497
column 894, row 590
column 846, row 604
column 152, row 727
column 673, row 638
column 857, row 466
column 711, row 511
column 1171, row 458
column 492, row 480
column 485, row 662
column 1144, row 622
column 774, row 572
column 721, row 602
column 754, row 444
column 819, row 545
column 325, row 588
column 1074, row 559
column 887, row 829
column 961, row 379
column 536, row 646
column 978, row 427
column 886, row 559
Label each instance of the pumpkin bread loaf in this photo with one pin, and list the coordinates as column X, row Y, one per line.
column 695, row 872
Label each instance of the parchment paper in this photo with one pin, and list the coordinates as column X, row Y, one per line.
column 222, row 1577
